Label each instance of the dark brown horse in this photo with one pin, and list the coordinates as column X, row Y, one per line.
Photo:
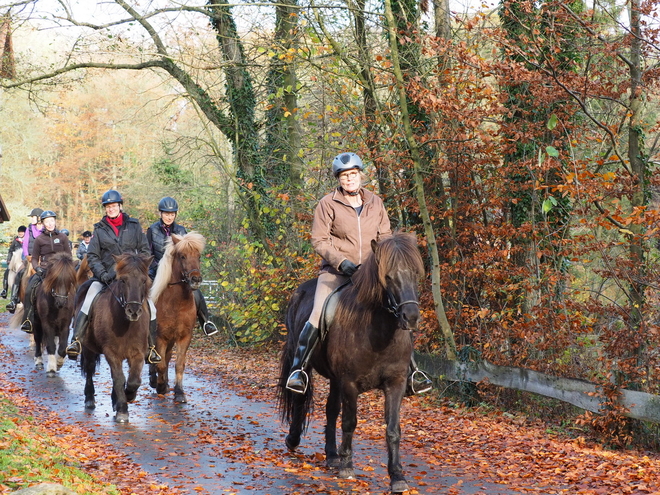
column 368, row 346
column 177, row 277
column 118, row 329
column 53, row 311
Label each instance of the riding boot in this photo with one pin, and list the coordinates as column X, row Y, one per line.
column 298, row 379
column 11, row 306
column 79, row 330
column 418, row 380
column 28, row 304
column 207, row 325
column 5, row 285
column 152, row 356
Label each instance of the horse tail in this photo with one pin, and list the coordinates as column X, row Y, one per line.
column 83, row 363
column 16, row 320
column 294, row 407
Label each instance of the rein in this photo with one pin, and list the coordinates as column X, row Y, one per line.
column 394, row 307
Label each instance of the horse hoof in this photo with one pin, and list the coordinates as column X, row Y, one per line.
column 39, row 366
column 51, row 374
column 121, row 418
column 399, row 486
column 90, row 404
column 153, row 381
column 162, row 389
column 180, row 398
column 292, row 442
column 332, row 462
column 347, row 473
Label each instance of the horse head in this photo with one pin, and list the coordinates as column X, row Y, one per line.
column 132, row 283
column 60, row 279
column 186, row 258
column 399, row 268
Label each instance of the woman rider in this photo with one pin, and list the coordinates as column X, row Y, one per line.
column 33, row 231
column 115, row 234
column 49, row 242
column 345, row 223
column 157, row 235
column 17, row 243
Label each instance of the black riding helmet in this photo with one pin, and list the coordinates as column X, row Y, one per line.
column 48, row 214
column 111, row 196
column 36, row 212
column 168, row 204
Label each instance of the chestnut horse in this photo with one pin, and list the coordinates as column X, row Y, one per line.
column 178, row 276
column 53, row 310
column 118, row 329
column 367, row 346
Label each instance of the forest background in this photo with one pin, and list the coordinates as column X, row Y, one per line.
column 519, row 141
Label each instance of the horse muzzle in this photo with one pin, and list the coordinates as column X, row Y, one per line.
column 195, row 282
column 133, row 312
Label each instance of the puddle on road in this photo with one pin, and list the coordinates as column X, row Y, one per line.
column 219, row 442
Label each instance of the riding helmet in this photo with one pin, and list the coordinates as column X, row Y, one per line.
column 87, row 233
column 65, row 232
column 111, row 196
column 48, row 214
column 168, row 204
column 22, row 228
column 346, row 161
column 36, row 212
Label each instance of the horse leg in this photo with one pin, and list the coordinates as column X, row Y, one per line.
column 38, row 344
column 332, row 410
column 162, row 368
column 393, row 399
column 118, row 395
column 153, row 376
column 348, row 424
column 88, row 362
column 179, row 369
column 51, row 369
column 134, row 378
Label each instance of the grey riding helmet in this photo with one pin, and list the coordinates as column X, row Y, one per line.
column 168, row 205
column 346, row 161
column 111, row 196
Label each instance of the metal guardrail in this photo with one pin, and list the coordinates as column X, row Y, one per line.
column 212, row 292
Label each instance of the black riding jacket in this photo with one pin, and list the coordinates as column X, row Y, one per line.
column 46, row 245
column 105, row 243
column 156, row 237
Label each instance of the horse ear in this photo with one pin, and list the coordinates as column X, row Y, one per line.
column 373, row 245
column 176, row 239
column 116, row 257
column 148, row 260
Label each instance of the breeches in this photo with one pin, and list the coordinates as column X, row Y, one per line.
column 327, row 282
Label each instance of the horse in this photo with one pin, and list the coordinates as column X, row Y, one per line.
column 15, row 265
column 26, row 272
column 83, row 271
column 53, row 312
column 367, row 346
column 177, row 277
column 118, row 329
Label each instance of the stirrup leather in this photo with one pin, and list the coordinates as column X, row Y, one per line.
column 424, row 378
column 305, row 378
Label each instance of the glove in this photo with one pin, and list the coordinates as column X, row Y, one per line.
column 107, row 277
column 348, row 268
column 40, row 271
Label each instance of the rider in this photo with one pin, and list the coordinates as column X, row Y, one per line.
column 84, row 245
column 33, row 230
column 50, row 241
column 115, row 234
column 345, row 222
column 66, row 233
column 16, row 243
column 157, row 234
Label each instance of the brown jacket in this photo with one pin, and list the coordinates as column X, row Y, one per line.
column 46, row 245
column 338, row 233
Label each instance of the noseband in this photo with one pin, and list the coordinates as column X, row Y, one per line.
column 394, row 307
column 121, row 299
column 58, row 296
column 185, row 277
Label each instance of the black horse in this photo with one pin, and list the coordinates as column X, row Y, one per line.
column 368, row 346
column 118, row 329
column 53, row 312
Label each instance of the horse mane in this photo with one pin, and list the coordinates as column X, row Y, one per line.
column 192, row 242
column 60, row 267
column 129, row 263
column 84, row 272
column 396, row 252
column 16, row 260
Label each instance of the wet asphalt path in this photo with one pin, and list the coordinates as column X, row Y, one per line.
column 218, row 443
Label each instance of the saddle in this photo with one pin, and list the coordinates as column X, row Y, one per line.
column 329, row 309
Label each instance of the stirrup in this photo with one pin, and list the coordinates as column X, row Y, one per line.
column 425, row 383
column 153, row 357
column 212, row 329
column 27, row 326
column 304, row 378
column 73, row 349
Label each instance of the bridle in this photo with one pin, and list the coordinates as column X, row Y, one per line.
column 121, row 299
column 394, row 307
column 185, row 277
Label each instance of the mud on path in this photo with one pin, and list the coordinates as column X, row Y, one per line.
column 228, row 437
